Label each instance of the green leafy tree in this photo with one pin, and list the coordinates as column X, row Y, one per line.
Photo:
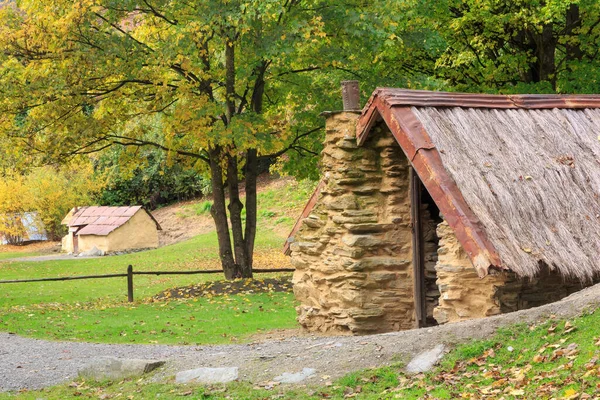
column 151, row 181
column 226, row 82
column 44, row 196
column 526, row 46
column 51, row 192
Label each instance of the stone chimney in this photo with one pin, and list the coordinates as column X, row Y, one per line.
column 353, row 252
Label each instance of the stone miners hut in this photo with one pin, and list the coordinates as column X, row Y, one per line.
column 440, row 207
column 110, row 229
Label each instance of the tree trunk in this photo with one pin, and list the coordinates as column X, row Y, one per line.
column 219, row 214
column 573, row 24
column 236, row 263
column 229, row 78
column 546, row 55
column 251, row 206
column 251, row 172
column 235, row 216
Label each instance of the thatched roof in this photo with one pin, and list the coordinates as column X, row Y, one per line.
column 516, row 177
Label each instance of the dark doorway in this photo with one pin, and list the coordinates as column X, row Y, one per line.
column 425, row 219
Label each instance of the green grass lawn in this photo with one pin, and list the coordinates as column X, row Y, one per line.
column 95, row 309
column 276, row 207
column 220, row 319
column 199, row 252
column 553, row 360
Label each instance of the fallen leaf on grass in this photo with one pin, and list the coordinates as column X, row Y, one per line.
column 570, row 394
column 569, row 328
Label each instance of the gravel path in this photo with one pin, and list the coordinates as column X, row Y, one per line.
column 50, row 257
column 31, row 363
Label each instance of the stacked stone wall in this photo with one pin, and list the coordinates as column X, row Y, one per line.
column 463, row 295
column 466, row 296
column 546, row 287
column 353, row 253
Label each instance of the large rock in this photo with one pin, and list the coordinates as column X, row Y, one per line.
column 93, row 252
column 208, row 375
column 426, row 360
column 118, row 368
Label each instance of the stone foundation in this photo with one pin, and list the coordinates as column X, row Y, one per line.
column 353, row 253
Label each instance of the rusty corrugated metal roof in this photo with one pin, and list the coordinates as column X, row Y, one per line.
column 102, row 220
column 391, row 97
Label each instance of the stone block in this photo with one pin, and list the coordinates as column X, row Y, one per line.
column 359, row 213
column 312, row 221
column 366, row 189
column 348, row 144
column 387, row 263
column 344, row 202
column 367, row 311
column 368, row 228
column 348, row 252
column 352, row 182
column 385, row 141
column 365, row 241
column 297, row 377
column 338, row 219
column 367, row 166
column 383, row 276
column 425, row 361
column 298, row 263
column 118, row 368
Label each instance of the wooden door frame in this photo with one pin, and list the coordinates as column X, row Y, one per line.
column 75, row 241
column 418, row 258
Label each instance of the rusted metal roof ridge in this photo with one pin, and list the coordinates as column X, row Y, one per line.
column 305, row 213
column 423, row 98
column 425, row 159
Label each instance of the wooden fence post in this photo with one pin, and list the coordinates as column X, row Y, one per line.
column 130, row 284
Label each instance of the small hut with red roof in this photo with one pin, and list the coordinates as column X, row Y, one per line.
column 110, row 229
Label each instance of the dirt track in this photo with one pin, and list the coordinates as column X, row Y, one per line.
column 30, row 363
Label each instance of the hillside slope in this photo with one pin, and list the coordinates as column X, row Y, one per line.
column 280, row 201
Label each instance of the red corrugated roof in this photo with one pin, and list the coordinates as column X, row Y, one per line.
column 102, row 220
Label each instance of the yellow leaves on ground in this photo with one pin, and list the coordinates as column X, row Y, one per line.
column 226, row 288
column 561, row 365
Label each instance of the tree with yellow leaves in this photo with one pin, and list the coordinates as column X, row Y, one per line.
column 225, row 82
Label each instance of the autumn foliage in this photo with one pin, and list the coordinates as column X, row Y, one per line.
column 46, row 194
